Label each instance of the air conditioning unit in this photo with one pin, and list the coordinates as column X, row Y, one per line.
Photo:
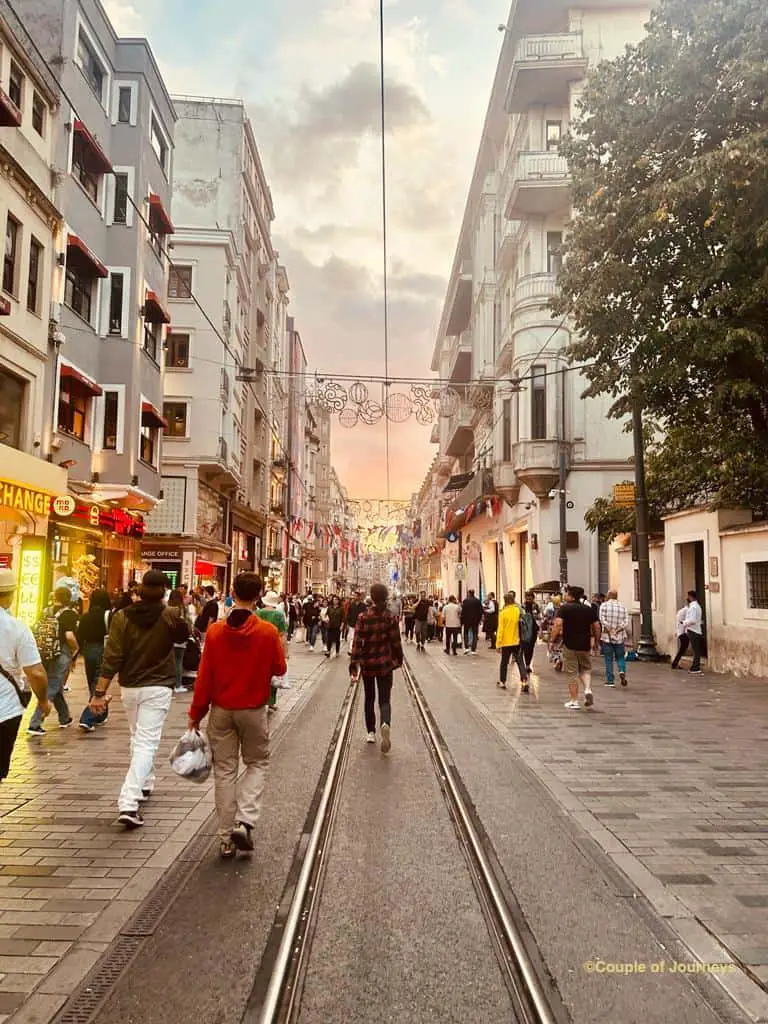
column 55, row 314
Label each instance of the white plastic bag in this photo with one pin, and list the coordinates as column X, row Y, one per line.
column 191, row 757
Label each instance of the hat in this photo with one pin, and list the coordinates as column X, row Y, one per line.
column 7, row 581
column 270, row 599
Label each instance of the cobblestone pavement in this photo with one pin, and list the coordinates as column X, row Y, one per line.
column 70, row 878
column 669, row 777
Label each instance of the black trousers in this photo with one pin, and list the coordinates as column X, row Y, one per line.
column 409, row 625
column 451, row 638
column 384, row 684
column 515, row 652
column 9, row 730
column 333, row 637
column 682, row 646
column 697, row 643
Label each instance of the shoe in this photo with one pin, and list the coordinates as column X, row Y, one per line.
column 499, row 684
column 623, row 678
column 271, row 710
column 473, row 653
column 525, row 688
column 371, row 737
column 456, row 654
column 327, row 654
column 66, row 688
column 66, row 725
column 695, row 672
column 467, row 651
column 241, row 837
column 131, row 819
column 503, row 686
column 179, row 689
column 36, row 730
column 572, row 704
column 386, row 743
column 227, row 849
column 146, row 794
column 612, row 685
column 589, row 699
column 85, row 727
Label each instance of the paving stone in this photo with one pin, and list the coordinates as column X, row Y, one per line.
column 686, row 879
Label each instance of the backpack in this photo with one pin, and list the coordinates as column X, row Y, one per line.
column 46, row 634
column 525, row 626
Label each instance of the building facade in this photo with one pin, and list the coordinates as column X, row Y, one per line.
column 513, row 409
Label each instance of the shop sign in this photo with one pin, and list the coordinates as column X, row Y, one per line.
column 461, row 571
column 160, row 555
column 24, row 499
column 64, row 505
column 6, row 561
column 624, row 495
column 30, row 582
column 113, row 519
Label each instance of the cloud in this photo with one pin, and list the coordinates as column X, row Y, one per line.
column 126, row 19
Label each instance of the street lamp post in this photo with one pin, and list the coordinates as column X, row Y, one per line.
column 646, row 647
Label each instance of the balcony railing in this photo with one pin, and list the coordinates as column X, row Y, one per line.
column 536, row 167
column 535, row 288
column 540, row 186
column 565, row 46
column 543, row 71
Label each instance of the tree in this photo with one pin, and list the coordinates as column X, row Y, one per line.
column 666, row 271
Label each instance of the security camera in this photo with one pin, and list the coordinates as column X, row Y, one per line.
column 59, row 338
column 552, row 495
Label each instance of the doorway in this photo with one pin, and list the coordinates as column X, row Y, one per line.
column 691, row 576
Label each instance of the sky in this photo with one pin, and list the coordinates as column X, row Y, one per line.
column 308, row 71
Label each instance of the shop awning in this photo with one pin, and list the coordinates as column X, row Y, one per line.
column 458, row 483
column 10, row 115
column 150, row 417
column 154, row 313
column 79, row 253
column 96, row 159
column 158, row 218
column 90, row 385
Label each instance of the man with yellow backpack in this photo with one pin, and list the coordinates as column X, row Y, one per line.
column 513, row 632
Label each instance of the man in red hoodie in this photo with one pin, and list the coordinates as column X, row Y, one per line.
column 240, row 657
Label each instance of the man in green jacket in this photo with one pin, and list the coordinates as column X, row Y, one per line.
column 140, row 649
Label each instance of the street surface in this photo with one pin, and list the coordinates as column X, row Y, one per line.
column 632, row 833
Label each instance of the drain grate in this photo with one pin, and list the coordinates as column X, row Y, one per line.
column 197, row 849
column 85, row 1002
column 159, row 901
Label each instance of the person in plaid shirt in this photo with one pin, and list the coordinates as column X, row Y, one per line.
column 377, row 651
column 614, row 623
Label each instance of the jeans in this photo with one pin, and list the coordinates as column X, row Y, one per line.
column 470, row 638
column 421, row 632
column 682, row 646
column 516, row 652
column 312, row 635
column 146, row 708
column 696, row 642
column 609, row 652
column 92, row 655
column 9, row 730
column 451, row 638
column 179, row 656
column 529, row 650
column 232, row 734
column 384, row 683
column 333, row 638
column 409, row 624
column 57, row 669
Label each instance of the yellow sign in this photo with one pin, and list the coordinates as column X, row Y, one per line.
column 30, row 583
column 24, row 499
column 64, row 505
column 624, row 495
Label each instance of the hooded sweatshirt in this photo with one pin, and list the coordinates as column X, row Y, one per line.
column 240, row 658
column 140, row 645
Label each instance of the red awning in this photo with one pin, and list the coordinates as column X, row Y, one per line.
column 204, row 568
column 90, row 385
column 10, row 115
column 158, row 218
column 5, row 306
column 78, row 251
column 154, row 313
column 96, row 159
column 150, row 417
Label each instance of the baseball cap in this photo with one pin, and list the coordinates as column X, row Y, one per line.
column 7, row 581
column 270, row 599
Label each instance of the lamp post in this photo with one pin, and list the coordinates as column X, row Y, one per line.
column 646, row 647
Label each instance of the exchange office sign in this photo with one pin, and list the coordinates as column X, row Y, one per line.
column 24, row 499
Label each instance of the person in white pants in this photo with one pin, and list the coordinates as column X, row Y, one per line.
column 140, row 648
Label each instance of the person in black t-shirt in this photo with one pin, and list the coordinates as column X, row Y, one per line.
column 210, row 612
column 58, row 667
column 575, row 624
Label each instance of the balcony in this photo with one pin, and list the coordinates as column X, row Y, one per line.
column 505, row 481
column 537, row 465
column 480, row 486
column 444, row 466
column 535, row 289
column 543, row 69
column 460, row 434
column 460, row 300
column 541, row 186
column 510, row 241
column 460, row 359
column 506, row 352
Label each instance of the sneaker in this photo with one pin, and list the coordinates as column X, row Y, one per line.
column 503, row 686
column 271, row 710
column 589, row 699
column 241, row 837
column 179, row 689
column 65, row 725
column 467, row 650
column 66, row 688
column 386, row 743
column 525, row 688
column 611, row 684
column 36, row 730
column 131, row 819
column 327, row 654
column 371, row 737
column 227, row 849
column 572, row 704
column 86, row 727
column 473, row 653
column 695, row 672
column 623, row 678
column 146, row 794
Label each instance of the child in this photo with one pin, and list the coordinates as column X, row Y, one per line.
column 270, row 612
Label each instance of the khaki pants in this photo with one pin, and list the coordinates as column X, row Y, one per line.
column 232, row 733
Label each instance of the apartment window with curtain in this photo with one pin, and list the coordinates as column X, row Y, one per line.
column 116, row 289
column 91, row 66
column 152, row 336
column 11, row 254
column 33, row 275
column 506, row 431
column 179, row 282
column 16, row 85
column 176, row 416
column 553, row 135
column 178, row 352
column 120, row 210
column 124, row 96
column 11, row 406
column 554, row 252
column 81, row 169
column 538, row 403
column 111, row 410
column 78, row 292
column 74, row 405
column 38, row 114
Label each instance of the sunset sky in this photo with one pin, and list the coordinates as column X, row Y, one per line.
column 308, row 70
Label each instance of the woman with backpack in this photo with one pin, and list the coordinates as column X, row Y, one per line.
column 54, row 634
column 91, row 633
column 512, row 634
column 529, row 647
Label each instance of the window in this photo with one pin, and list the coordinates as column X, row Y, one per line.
column 506, row 431
column 16, row 85
column 175, row 415
column 757, row 584
column 124, row 97
column 554, row 135
column 91, row 66
column 11, row 406
column 88, row 179
column 554, row 252
column 116, row 289
column 180, row 282
column 74, row 403
column 178, row 352
column 111, row 409
column 78, row 292
column 120, row 211
column 33, row 277
column 152, row 333
column 538, row 402
column 38, row 114
column 159, row 145
column 148, row 443
column 10, row 258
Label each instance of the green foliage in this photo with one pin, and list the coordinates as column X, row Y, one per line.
column 667, row 263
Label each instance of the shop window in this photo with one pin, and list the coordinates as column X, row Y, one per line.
column 11, row 255
column 33, row 276
column 757, row 584
column 538, row 402
column 81, row 169
column 11, row 405
column 78, row 291
column 178, row 351
column 91, row 66
column 152, row 338
column 116, row 290
column 158, row 142
column 120, row 208
column 38, row 114
column 74, row 406
column 111, row 418
column 16, row 85
column 176, row 415
column 180, row 282
column 124, row 98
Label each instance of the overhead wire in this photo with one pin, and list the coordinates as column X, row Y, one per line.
column 384, row 236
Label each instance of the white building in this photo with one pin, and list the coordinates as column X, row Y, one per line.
column 506, row 440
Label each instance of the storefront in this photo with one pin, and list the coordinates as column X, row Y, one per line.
column 191, row 565
column 28, row 487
